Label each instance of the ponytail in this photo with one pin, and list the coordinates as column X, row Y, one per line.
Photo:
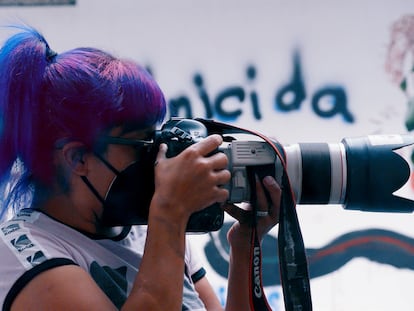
column 23, row 59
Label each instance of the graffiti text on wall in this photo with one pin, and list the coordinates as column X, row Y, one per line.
column 327, row 101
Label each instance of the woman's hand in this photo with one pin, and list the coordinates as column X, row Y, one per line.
column 240, row 233
column 192, row 180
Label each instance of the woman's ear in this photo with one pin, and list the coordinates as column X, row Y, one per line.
column 74, row 156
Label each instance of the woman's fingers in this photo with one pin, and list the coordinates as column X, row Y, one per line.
column 208, row 144
column 275, row 193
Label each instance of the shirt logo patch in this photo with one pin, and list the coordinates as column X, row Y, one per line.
column 21, row 243
column 36, row 258
column 10, row 229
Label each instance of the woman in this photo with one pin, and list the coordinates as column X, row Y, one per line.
column 58, row 111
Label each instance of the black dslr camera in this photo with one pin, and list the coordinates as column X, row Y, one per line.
column 246, row 158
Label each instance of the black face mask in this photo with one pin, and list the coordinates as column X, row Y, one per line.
column 129, row 195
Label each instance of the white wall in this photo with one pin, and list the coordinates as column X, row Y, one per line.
column 340, row 43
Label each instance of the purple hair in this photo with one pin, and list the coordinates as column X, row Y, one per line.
column 46, row 96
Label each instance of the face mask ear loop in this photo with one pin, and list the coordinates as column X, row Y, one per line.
column 92, row 188
column 89, row 184
column 108, row 165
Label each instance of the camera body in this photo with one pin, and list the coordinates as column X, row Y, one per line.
column 179, row 134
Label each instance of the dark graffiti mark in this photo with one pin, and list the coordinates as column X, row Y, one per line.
column 291, row 96
column 232, row 101
column 377, row 245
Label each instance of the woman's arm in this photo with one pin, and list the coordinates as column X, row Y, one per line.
column 184, row 184
column 207, row 295
column 239, row 237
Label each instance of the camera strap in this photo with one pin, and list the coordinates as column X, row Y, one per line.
column 291, row 250
column 257, row 295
